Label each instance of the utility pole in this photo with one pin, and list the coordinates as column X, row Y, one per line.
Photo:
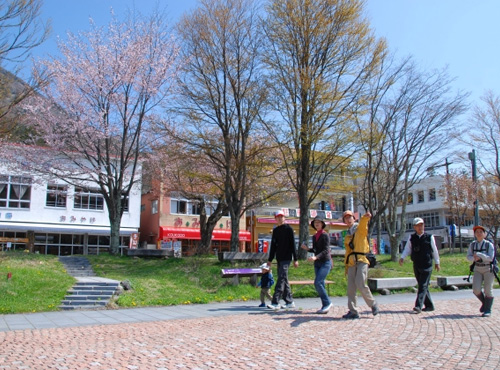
column 472, row 157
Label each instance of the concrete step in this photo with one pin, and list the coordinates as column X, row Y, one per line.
column 82, row 297
column 97, row 283
column 90, row 292
column 86, row 293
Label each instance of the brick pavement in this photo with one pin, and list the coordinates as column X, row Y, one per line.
column 452, row 337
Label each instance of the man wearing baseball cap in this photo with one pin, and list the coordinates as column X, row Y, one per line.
column 482, row 252
column 422, row 249
column 283, row 248
column 356, row 264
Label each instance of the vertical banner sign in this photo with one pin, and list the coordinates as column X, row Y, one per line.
column 134, row 240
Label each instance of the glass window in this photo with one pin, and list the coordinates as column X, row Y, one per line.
column 178, row 206
column 410, row 198
column 88, row 199
column 154, row 207
column 125, row 203
column 15, row 191
column 432, row 194
column 195, row 208
column 56, row 196
column 420, row 195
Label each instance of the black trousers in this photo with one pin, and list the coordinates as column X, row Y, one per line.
column 423, row 276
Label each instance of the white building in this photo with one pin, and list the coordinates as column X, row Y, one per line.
column 426, row 199
column 59, row 218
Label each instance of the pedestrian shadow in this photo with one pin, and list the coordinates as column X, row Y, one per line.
column 451, row 316
column 241, row 309
column 390, row 312
column 305, row 318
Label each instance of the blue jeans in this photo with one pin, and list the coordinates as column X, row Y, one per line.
column 282, row 287
column 321, row 270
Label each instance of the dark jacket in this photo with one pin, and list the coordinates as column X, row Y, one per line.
column 266, row 281
column 283, row 244
column 321, row 248
column 421, row 250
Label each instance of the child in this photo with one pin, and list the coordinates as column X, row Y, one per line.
column 265, row 283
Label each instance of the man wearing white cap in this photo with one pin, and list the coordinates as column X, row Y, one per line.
column 422, row 249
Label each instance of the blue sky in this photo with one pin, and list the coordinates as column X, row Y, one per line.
column 459, row 34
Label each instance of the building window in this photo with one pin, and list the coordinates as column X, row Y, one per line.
column 432, row 195
column 143, row 207
column 56, row 196
column 431, row 219
column 410, row 198
column 178, row 206
column 125, row 203
column 420, row 195
column 15, row 191
column 88, row 199
column 195, row 208
column 154, row 207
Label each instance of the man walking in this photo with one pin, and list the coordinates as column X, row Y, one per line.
column 283, row 248
column 422, row 249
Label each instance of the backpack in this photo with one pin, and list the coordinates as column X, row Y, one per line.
column 494, row 263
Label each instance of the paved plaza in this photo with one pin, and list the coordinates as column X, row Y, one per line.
column 238, row 335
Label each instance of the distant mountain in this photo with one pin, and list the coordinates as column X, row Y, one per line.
column 13, row 91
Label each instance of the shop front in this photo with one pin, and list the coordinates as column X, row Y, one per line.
column 261, row 229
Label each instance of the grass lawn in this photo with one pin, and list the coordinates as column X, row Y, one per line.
column 39, row 282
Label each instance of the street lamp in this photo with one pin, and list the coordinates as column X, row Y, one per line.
column 472, row 157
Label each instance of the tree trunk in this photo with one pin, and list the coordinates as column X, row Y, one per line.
column 114, row 237
column 303, row 225
column 394, row 247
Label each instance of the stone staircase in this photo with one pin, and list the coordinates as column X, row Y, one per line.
column 89, row 292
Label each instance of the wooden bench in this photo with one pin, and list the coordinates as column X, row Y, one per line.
column 235, row 274
column 453, row 282
column 384, row 285
column 233, row 257
column 309, row 282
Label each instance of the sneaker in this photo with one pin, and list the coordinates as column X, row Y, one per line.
column 375, row 309
column 289, row 305
column 262, row 305
column 351, row 316
column 428, row 309
column 417, row 310
column 325, row 309
column 274, row 307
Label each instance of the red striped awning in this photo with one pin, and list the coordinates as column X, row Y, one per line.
column 194, row 234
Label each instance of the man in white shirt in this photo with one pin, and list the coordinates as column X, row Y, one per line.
column 422, row 249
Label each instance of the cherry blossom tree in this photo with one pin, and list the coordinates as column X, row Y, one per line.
column 106, row 90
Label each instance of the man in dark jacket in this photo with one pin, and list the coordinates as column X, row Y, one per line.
column 422, row 249
column 283, row 248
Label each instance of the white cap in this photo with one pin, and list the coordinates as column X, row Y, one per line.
column 417, row 220
column 264, row 266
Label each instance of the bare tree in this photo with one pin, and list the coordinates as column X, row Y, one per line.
column 460, row 195
column 486, row 135
column 222, row 95
column 21, row 30
column 103, row 93
column 187, row 172
column 320, row 55
column 408, row 125
column 489, row 199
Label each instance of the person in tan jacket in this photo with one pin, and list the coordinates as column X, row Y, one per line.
column 356, row 264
